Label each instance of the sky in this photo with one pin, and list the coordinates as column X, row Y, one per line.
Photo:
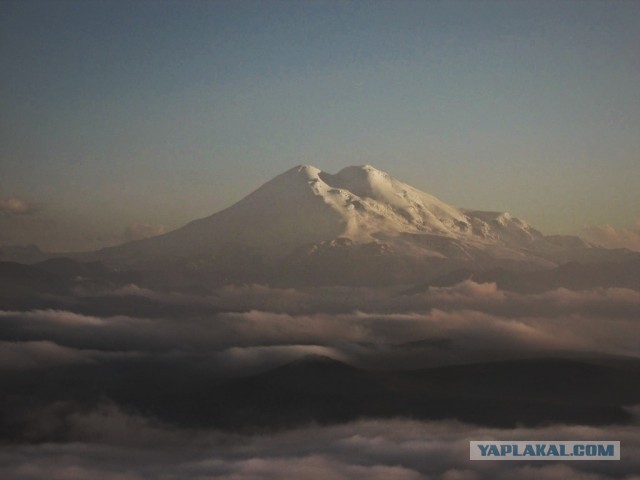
column 121, row 119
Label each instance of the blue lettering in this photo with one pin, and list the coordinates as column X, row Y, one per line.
column 505, row 449
column 605, row 450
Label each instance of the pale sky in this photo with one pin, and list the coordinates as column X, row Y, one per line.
column 121, row 118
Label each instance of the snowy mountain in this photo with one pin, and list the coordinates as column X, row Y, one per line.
column 306, row 219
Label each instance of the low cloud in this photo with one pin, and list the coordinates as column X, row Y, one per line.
column 16, row 206
column 55, row 317
column 184, row 340
column 138, row 231
column 466, row 323
column 467, row 295
column 115, row 445
column 612, row 237
column 37, row 354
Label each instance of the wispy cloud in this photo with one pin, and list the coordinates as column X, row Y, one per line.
column 609, row 236
column 138, row 231
column 16, row 206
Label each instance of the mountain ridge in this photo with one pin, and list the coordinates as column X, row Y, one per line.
column 356, row 224
column 362, row 203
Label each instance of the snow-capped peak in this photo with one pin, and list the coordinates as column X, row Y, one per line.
column 306, row 205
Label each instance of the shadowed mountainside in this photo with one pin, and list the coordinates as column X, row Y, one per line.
column 318, row 389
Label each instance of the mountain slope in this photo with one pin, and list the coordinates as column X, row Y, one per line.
column 312, row 220
column 306, row 205
column 588, row 391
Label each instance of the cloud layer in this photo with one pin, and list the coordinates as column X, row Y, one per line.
column 118, row 446
column 239, row 330
column 469, row 322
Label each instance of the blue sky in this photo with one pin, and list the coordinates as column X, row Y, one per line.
column 130, row 113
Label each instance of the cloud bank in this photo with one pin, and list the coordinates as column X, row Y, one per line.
column 155, row 338
column 611, row 237
column 469, row 322
column 117, row 446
